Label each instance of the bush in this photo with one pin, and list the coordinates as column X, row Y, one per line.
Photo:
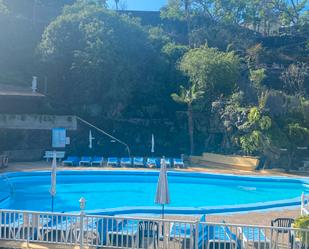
column 302, row 222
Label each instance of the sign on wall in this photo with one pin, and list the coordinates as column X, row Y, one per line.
column 58, row 137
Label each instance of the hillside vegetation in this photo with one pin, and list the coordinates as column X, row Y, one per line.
column 230, row 77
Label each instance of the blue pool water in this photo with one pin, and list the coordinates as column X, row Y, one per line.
column 116, row 191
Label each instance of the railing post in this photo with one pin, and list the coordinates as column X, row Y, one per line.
column 197, row 225
column 302, row 203
column 28, row 230
column 82, row 204
column 81, row 230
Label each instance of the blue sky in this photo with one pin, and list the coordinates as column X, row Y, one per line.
column 141, row 4
column 145, row 4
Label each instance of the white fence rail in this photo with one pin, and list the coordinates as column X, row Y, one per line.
column 135, row 232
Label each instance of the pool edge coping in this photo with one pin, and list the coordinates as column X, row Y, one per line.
column 259, row 206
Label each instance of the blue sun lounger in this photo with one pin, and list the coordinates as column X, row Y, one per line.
column 85, row 161
column 209, row 236
column 217, row 237
column 111, row 229
column 22, row 226
column 138, row 162
column 113, row 161
column 254, row 237
column 152, row 162
column 11, row 224
column 125, row 232
column 97, row 161
column 71, row 161
column 178, row 163
column 182, row 230
column 137, row 233
column 126, row 162
column 62, row 228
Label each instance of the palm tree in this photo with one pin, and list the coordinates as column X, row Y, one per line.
column 188, row 97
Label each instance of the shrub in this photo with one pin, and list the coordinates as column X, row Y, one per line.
column 302, row 222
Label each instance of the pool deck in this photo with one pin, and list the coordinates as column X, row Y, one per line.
column 254, row 218
column 43, row 166
column 25, row 245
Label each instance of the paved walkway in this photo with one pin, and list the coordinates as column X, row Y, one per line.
column 43, row 165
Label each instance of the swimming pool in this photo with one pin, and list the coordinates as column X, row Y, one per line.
column 119, row 192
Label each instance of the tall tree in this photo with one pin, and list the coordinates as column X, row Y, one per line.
column 179, row 10
column 211, row 70
column 187, row 4
column 292, row 11
column 99, row 63
column 188, row 96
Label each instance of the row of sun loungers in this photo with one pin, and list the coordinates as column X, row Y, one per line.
column 138, row 162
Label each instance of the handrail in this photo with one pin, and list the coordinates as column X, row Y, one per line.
column 304, row 209
column 105, row 133
column 98, row 231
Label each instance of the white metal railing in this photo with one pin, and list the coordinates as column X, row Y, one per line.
column 97, row 231
column 304, row 209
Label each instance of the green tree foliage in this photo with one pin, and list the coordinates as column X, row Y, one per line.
column 188, row 97
column 260, row 15
column 252, row 142
column 30, row 8
column 94, row 57
column 3, row 8
column 257, row 76
column 174, row 51
column 102, row 64
column 256, row 139
column 301, row 222
column 265, row 123
column 254, row 115
column 173, row 10
column 212, row 70
column 298, row 134
column 293, row 11
column 294, row 78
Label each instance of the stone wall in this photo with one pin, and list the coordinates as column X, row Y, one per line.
column 37, row 122
column 225, row 161
column 24, row 155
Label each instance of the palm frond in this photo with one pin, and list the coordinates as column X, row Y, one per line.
column 188, row 95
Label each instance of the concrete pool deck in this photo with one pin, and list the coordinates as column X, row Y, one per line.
column 254, row 218
column 43, row 165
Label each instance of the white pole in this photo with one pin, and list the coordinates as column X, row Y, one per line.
column 105, row 133
column 82, row 204
column 152, row 144
column 197, row 224
column 302, row 207
column 34, row 85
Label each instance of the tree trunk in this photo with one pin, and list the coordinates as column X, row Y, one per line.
column 191, row 128
column 291, row 156
column 188, row 20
